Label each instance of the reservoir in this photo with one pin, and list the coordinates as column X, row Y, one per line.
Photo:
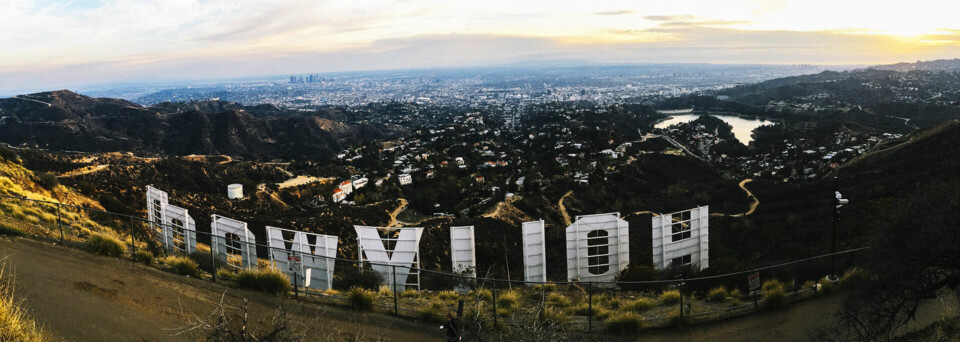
column 742, row 128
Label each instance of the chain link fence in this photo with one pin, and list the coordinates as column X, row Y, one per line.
column 429, row 295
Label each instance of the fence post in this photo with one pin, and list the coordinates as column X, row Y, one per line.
column 133, row 238
column 494, row 304
column 296, row 280
column 60, row 223
column 681, row 299
column 396, row 309
column 590, row 306
column 213, row 258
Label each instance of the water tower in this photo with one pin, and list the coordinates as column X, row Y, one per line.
column 235, row 191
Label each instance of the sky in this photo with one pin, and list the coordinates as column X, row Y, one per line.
column 49, row 44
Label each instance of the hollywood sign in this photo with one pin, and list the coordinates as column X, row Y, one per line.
column 597, row 246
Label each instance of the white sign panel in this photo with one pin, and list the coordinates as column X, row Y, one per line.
column 682, row 238
column 462, row 251
column 598, row 247
column 156, row 202
column 534, row 252
column 316, row 260
column 397, row 253
column 234, row 242
column 179, row 230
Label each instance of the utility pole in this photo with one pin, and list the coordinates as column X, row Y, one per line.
column 838, row 202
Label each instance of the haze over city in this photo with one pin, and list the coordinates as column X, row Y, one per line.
column 47, row 44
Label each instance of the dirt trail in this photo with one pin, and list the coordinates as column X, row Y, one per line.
column 393, row 215
column 563, row 209
column 85, row 170
column 753, row 206
column 77, row 296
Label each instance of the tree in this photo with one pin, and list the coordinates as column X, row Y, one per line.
column 914, row 258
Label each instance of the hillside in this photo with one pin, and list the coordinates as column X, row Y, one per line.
column 63, row 120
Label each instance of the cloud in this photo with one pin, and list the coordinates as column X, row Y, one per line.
column 669, row 17
column 617, row 12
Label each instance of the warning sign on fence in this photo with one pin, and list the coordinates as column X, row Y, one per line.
column 754, row 281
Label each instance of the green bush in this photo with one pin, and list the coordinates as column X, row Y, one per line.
column 718, row 294
column 361, row 299
column 435, row 311
column 544, row 287
column 553, row 316
column 624, row 323
column 353, row 277
column 670, row 297
column 207, row 263
column 774, row 298
column 558, row 300
column 638, row 305
column 269, row 280
column 583, row 309
column 181, row 265
column 144, row 257
column 482, row 294
column 104, row 245
column 508, row 300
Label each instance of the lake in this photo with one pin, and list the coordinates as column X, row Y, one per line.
column 742, row 128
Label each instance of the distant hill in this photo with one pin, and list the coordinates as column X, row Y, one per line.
column 935, row 65
column 63, row 120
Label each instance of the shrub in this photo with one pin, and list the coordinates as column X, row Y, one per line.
column 624, row 323
column 270, row 280
column 558, row 300
column 14, row 323
column 48, row 181
column 583, row 309
column 104, row 245
column 448, row 295
column 827, row 286
column 205, row 262
column 9, row 154
column 410, row 293
column 772, row 285
column 181, row 265
column 384, row 291
column 435, row 312
column 144, row 257
column 853, row 278
column 774, row 298
column 670, row 297
column 361, row 299
column 553, row 316
column 544, row 287
column 227, row 273
column 508, row 301
column 9, row 229
column 718, row 294
column 638, row 305
column 353, row 277
column 482, row 294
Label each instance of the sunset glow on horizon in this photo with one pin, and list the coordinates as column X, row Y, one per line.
column 45, row 41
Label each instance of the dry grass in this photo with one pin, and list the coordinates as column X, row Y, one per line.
column 181, row 265
column 14, row 323
column 670, row 297
column 270, row 280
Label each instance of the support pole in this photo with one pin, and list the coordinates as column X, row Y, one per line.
column 590, row 306
column 60, row 223
column 213, row 257
column 494, row 304
column 396, row 308
column 681, row 298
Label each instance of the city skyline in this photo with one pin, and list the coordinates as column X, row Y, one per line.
column 55, row 44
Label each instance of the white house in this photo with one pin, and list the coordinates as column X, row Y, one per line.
column 405, row 179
